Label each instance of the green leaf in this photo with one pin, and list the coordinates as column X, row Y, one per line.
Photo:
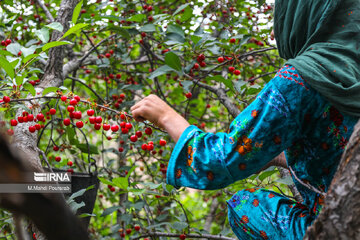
column 31, row 56
column 84, row 148
column 174, row 38
column 176, row 29
column 56, row 26
column 287, row 180
column 187, row 15
column 186, row 85
column 19, row 80
column 49, row 90
column 179, row 9
column 14, row 48
column 54, row 44
column 266, row 174
column 148, row 28
column 74, row 29
column 30, row 88
column 121, row 182
column 160, row 71
column 122, row 31
column 43, row 34
column 110, row 210
column 4, row 53
column 7, row 67
column 173, row 61
column 136, row 18
column 228, row 83
column 71, row 136
column 77, row 194
column 105, row 181
column 87, row 215
column 179, row 225
column 76, row 12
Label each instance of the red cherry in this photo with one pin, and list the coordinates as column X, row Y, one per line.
column 70, row 170
column 66, row 121
column 107, row 55
column 231, row 69
column 32, row 129
column 188, row 95
column 232, row 40
column 69, row 163
column 111, row 76
column 118, row 76
column 149, row 8
column 70, row 108
column 57, row 158
column 20, row 119
column 13, row 122
column 63, row 98
column 237, row 72
column 97, row 126
column 112, row 189
column 77, row 114
column 6, row 99
column 143, row 34
column 150, row 147
column 114, row 128
column 3, row 43
column 40, row 117
column 182, row 236
column 77, row 98
column 137, row 228
column 157, row 196
column 150, row 18
column 10, row 132
column 148, row 131
column 98, row 119
column 122, row 95
column 122, row 235
column 138, row 134
column 92, row 120
column 121, row 149
column 37, row 126
column 124, row 130
column 128, row 125
column 128, row 231
column 19, row 53
column 52, row 111
column 106, row 127
column 196, row 66
column 30, row 117
column 162, row 142
column 79, row 124
column 73, row 102
column 83, row 10
column 56, row 148
column 133, row 138
column 203, row 64
column 144, row 146
column 220, row 59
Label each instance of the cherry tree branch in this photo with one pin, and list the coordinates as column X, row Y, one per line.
column 176, row 235
column 46, row 11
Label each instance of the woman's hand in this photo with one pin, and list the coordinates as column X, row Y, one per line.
column 155, row 110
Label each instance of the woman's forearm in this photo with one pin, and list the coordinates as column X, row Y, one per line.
column 175, row 125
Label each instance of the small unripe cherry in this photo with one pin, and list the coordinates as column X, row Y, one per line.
column 69, row 163
column 13, row 122
column 70, row 108
column 52, row 111
column 79, row 124
column 98, row 119
column 148, row 131
column 32, row 129
column 133, row 138
column 57, row 158
column 6, row 99
column 115, row 128
column 106, row 127
column 66, row 121
column 162, row 142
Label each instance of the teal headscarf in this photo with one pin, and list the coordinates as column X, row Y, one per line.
column 321, row 39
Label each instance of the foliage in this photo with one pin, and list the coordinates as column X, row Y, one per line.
column 130, row 49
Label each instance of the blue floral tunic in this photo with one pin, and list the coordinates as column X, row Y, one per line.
column 287, row 115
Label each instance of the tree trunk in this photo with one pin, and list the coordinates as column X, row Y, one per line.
column 339, row 218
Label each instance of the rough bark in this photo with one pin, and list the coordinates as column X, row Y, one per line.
column 339, row 218
column 25, row 141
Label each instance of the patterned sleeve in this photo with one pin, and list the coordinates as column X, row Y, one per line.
column 258, row 134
